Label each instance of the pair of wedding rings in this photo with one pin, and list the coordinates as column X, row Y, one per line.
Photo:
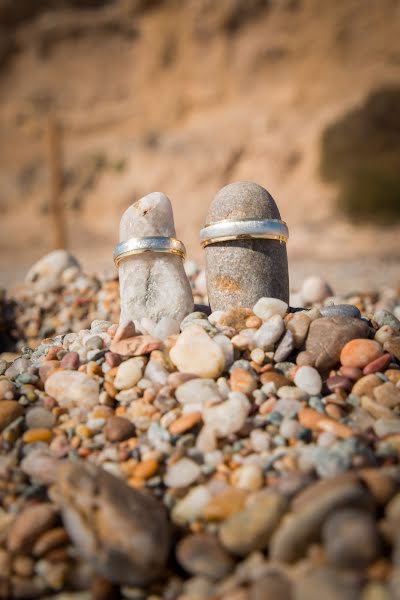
column 219, row 231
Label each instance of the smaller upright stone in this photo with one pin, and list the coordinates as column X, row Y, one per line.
column 239, row 272
column 152, row 285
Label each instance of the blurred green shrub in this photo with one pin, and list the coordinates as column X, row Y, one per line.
column 361, row 153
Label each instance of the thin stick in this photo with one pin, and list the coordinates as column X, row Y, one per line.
column 56, row 183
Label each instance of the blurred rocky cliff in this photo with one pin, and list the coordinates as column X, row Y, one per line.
column 183, row 96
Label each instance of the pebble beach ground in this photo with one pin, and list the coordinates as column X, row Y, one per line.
column 243, row 455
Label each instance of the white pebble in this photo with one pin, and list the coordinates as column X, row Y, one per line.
column 128, row 374
column 191, row 506
column 315, row 289
column 309, row 380
column 195, row 352
column 269, row 333
column 267, row 307
column 260, row 440
column 229, row 416
column 72, row 388
column 248, row 477
column 182, row 473
column 39, row 417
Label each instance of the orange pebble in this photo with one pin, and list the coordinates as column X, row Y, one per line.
column 185, row 422
column 146, row 469
column 37, row 435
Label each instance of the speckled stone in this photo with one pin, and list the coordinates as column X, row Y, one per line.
column 152, row 285
column 239, row 272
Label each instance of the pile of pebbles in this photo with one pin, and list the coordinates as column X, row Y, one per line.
column 251, row 455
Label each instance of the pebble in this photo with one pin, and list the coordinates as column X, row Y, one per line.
column 72, row 388
column 118, row 429
column 182, row 473
column 384, row 317
column 195, row 393
column 285, row 347
column 387, row 394
column 70, row 360
column 29, row 525
column 225, row 503
column 229, row 416
column 366, row 385
column 299, row 325
column 391, row 345
column 251, row 529
column 380, row 364
column 326, row 338
column 202, row 554
column 191, row 506
column 248, row 477
column 340, row 310
column 185, row 423
column 128, row 374
column 309, row 380
column 39, row 417
column 239, row 272
column 243, row 381
column 195, row 352
column 9, row 411
column 265, row 308
column 315, row 290
column 152, row 285
column 269, row 333
column 359, row 353
column 37, row 435
column 46, row 274
column 351, row 539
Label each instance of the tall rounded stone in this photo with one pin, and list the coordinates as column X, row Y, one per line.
column 239, row 272
column 152, row 285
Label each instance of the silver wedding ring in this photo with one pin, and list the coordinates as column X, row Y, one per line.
column 244, row 229
column 139, row 245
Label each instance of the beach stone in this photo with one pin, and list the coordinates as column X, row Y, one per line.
column 202, row 554
column 182, row 473
column 248, row 477
column 243, row 381
column 251, row 528
column 384, row 317
column 265, row 308
column 123, row 533
column 118, row 429
column 240, row 272
column 46, row 274
column 197, row 392
column 272, row 585
column 359, row 353
column 326, row 338
column 29, row 525
column 195, row 352
column 70, row 360
column 152, row 285
column 7, row 389
column 225, row 503
column 351, row 539
column 391, row 345
column 386, row 426
column 299, row 325
column 128, row 373
column 315, row 290
column 309, row 380
column 72, row 388
column 39, row 417
column 229, row 416
column 303, row 525
column 340, row 310
column 387, row 394
column 269, row 333
column 327, row 583
column 366, row 385
column 9, row 411
column 191, row 506
column 285, row 347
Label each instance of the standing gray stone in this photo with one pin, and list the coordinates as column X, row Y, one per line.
column 239, row 272
column 152, row 285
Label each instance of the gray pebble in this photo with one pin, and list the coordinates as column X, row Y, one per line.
column 384, row 317
column 239, row 272
column 340, row 310
column 286, row 346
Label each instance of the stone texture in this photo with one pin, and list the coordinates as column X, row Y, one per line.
column 326, row 338
column 72, row 388
column 240, row 272
column 9, row 410
column 123, row 533
column 152, row 285
column 29, row 525
column 195, row 352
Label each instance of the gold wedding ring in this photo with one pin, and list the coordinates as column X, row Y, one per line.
column 244, row 229
column 139, row 245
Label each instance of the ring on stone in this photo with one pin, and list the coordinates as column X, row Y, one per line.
column 244, row 229
column 138, row 245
